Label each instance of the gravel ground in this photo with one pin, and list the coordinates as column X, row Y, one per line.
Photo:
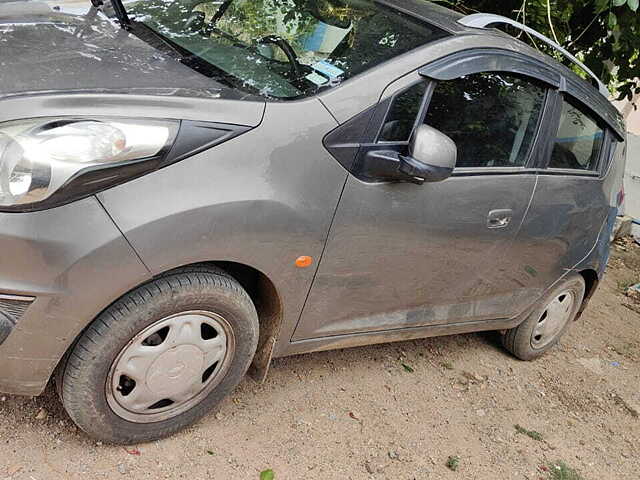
column 395, row 411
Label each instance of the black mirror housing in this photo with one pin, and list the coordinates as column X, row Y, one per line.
column 432, row 158
column 419, row 172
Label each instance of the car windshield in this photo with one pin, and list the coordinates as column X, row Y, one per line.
column 279, row 48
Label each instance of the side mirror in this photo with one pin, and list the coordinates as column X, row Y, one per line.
column 432, row 156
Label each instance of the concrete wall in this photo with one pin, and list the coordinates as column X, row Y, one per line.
column 632, row 178
column 632, row 172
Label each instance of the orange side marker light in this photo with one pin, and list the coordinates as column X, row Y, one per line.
column 304, row 261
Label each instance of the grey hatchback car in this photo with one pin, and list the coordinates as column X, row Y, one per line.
column 190, row 188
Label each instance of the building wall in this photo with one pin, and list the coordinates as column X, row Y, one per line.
column 632, row 172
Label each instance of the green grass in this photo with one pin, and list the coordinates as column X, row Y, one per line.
column 624, row 284
column 407, row 368
column 453, row 463
column 529, row 433
column 267, row 475
column 447, row 365
column 561, row 471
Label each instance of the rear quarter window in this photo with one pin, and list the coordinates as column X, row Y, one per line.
column 579, row 140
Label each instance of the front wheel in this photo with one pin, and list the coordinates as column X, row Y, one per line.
column 549, row 320
column 161, row 357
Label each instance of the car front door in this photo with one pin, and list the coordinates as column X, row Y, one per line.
column 404, row 255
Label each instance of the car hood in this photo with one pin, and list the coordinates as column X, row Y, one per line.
column 47, row 51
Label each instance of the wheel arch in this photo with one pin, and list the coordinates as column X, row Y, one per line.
column 591, row 281
column 268, row 303
column 262, row 292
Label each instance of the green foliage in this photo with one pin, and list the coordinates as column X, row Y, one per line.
column 453, row 463
column 529, row 433
column 561, row 471
column 604, row 34
column 408, row 368
column 267, row 475
column 250, row 20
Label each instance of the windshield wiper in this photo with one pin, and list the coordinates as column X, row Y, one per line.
column 119, row 11
column 146, row 33
column 221, row 11
column 181, row 54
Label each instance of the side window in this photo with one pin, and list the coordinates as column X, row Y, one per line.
column 579, row 140
column 402, row 115
column 492, row 117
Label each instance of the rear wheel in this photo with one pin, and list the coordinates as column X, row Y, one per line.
column 549, row 320
column 161, row 357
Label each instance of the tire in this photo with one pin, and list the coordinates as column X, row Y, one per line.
column 179, row 322
column 549, row 320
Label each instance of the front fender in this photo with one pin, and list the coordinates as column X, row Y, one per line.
column 74, row 262
column 261, row 199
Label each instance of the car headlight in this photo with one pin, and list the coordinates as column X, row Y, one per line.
column 47, row 157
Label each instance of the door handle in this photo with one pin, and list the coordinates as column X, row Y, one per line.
column 499, row 218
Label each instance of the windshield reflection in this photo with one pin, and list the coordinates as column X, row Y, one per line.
column 278, row 48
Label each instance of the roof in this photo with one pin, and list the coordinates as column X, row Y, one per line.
column 430, row 12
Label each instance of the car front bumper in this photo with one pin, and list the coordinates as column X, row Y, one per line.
column 68, row 264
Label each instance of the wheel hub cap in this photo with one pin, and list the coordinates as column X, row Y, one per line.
column 170, row 366
column 553, row 319
column 172, row 372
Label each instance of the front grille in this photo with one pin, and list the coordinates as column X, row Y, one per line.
column 14, row 307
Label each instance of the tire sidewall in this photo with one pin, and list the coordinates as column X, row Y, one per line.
column 152, row 305
column 521, row 345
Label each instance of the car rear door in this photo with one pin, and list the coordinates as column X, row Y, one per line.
column 401, row 255
column 575, row 197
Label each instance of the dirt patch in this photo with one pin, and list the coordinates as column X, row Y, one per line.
column 397, row 411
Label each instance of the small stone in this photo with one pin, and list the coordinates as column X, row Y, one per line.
column 594, row 365
column 621, row 228
column 480, row 412
column 41, row 415
column 378, row 463
column 393, row 455
column 627, row 404
column 11, row 471
column 122, row 468
column 474, row 377
column 3, row 399
column 369, row 468
column 219, row 416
